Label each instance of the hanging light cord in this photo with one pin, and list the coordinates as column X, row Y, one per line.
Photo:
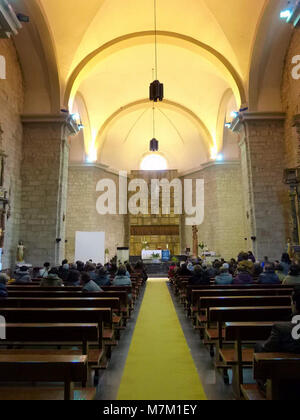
column 153, row 122
column 155, row 30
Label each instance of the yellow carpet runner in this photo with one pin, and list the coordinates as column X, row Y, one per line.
column 159, row 365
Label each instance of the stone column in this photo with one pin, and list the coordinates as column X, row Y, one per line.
column 265, row 195
column 44, row 174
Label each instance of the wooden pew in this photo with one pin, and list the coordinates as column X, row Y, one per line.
column 280, row 371
column 242, row 314
column 206, row 303
column 82, row 302
column 54, row 334
column 121, row 295
column 239, row 358
column 65, row 316
column 195, row 294
column 43, row 368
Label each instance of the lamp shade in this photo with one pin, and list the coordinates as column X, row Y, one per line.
column 154, row 144
column 156, row 91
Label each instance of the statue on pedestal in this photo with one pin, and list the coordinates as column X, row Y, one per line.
column 20, row 253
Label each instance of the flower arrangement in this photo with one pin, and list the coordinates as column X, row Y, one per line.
column 202, row 246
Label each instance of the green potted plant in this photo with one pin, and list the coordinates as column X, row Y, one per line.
column 156, row 258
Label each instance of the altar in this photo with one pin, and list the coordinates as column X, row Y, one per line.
column 151, row 254
column 156, row 255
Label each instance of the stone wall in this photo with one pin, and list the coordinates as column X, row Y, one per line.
column 11, row 105
column 223, row 229
column 44, row 188
column 291, row 103
column 265, row 195
column 81, row 209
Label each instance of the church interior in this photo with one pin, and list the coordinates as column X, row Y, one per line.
column 149, row 200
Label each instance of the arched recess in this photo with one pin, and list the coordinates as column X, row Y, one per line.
column 129, row 40
column 37, row 56
column 79, row 144
column 204, row 132
column 228, row 94
column 268, row 55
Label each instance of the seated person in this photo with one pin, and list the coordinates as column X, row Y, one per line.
column 269, row 276
column 280, row 272
column 286, row 263
column 224, row 277
column 3, row 281
column 80, row 266
column 140, row 269
column 199, row 277
column 103, row 278
column 63, row 270
column 243, row 276
column 73, row 278
column 23, row 276
column 88, row 284
column 90, row 268
column 121, row 279
column 293, row 278
column 184, row 271
column 171, row 272
column 281, row 339
column 44, row 271
column 52, row 280
column 245, row 265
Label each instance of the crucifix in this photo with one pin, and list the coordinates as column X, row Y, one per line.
column 195, row 241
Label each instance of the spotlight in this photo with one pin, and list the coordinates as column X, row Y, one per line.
column 75, row 117
column 286, row 14
column 234, row 114
column 220, row 158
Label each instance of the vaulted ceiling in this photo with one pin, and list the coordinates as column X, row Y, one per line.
column 105, row 57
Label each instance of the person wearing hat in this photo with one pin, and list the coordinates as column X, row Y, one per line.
column 224, row 277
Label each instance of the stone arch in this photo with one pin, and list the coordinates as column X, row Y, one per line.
column 203, row 130
column 144, row 37
column 36, row 51
column 267, row 61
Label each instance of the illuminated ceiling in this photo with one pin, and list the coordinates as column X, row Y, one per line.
column 105, row 56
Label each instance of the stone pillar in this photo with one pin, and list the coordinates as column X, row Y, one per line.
column 296, row 124
column 44, row 174
column 265, row 195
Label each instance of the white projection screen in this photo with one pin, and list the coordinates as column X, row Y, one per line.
column 90, row 246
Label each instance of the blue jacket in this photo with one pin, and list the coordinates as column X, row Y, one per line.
column 103, row 280
column 269, row 278
column 3, row 291
column 122, row 281
column 223, row 279
column 91, row 286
